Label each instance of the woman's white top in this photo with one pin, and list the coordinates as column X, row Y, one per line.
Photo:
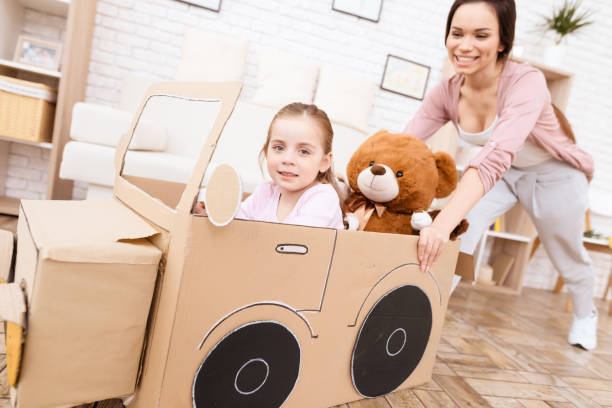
column 529, row 155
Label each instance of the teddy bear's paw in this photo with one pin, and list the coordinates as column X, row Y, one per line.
column 420, row 220
column 352, row 221
column 459, row 229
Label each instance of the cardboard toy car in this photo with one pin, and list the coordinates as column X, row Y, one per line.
column 244, row 314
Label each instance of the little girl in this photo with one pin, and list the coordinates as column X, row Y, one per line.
column 298, row 154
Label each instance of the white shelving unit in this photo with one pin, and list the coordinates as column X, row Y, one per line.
column 70, row 82
column 30, row 68
column 57, row 7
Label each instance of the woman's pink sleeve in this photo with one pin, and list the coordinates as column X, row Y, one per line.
column 520, row 111
column 431, row 116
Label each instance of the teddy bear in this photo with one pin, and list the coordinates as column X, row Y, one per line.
column 394, row 179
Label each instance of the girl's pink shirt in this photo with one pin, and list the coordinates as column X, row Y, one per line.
column 525, row 113
column 319, row 206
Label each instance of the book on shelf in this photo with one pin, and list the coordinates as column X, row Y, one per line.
column 498, row 225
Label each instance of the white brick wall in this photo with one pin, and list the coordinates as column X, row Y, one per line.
column 145, row 36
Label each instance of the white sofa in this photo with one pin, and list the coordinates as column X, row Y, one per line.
column 96, row 129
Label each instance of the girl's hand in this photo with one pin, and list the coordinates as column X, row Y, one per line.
column 431, row 243
column 199, row 208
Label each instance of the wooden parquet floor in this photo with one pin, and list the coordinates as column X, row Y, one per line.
column 499, row 351
column 8, row 223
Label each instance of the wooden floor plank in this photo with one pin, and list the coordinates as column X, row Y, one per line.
column 495, row 354
column 4, row 387
column 429, row 386
column 589, row 383
column 600, row 397
column 555, row 404
column 514, row 390
column 571, row 370
column 533, row 404
column 370, row 403
column 466, row 359
column 487, row 373
column 601, row 367
column 542, row 379
column 460, row 392
column 404, row 399
column 434, row 399
column 497, row 402
column 578, row 399
column 464, row 346
column 442, row 368
column 8, row 223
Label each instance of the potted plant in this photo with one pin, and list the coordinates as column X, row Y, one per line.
column 564, row 21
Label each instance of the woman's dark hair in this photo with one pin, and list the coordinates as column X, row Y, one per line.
column 506, row 18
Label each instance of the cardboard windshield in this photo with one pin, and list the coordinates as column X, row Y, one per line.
column 204, row 123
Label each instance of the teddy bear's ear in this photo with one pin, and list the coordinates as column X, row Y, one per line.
column 447, row 174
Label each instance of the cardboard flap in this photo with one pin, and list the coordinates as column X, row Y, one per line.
column 89, row 231
column 12, row 303
column 6, row 253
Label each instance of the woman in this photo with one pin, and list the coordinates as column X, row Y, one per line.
column 526, row 156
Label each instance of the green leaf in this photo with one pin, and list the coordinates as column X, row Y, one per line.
column 566, row 19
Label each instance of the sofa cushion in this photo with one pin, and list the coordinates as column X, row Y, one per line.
column 103, row 125
column 96, row 164
column 345, row 97
column 283, row 79
column 92, row 163
column 212, row 57
column 346, row 141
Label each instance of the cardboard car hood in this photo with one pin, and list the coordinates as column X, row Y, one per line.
column 101, row 231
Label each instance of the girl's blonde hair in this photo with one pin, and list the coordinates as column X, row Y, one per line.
column 295, row 110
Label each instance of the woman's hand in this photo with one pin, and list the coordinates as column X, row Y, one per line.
column 432, row 240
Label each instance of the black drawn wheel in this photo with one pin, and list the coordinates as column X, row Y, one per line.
column 391, row 341
column 256, row 365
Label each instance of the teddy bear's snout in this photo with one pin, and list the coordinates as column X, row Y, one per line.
column 378, row 170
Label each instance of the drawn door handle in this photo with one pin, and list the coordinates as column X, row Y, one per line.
column 292, row 249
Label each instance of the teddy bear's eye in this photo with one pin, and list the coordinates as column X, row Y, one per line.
column 371, row 163
column 399, row 174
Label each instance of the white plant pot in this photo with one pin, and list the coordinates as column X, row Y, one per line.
column 554, row 54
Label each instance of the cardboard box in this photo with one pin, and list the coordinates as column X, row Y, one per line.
column 247, row 314
column 88, row 297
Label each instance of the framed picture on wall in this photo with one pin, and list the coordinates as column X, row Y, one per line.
column 214, row 5
column 405, row 77
column 367, row 9
column 43, row 54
